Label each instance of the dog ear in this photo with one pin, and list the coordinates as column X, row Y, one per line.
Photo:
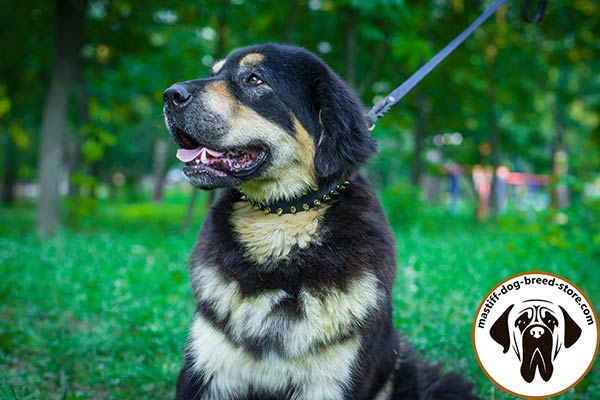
column 344, row 141
column 572, row 330
column 499, row 331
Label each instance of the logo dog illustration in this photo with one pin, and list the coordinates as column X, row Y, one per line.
column 537, row 330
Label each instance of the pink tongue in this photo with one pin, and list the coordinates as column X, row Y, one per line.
column 187, row 155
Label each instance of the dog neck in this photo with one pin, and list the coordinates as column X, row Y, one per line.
column 308, row 198
column 270, row 238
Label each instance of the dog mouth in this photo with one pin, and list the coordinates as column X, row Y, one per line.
column 237, row 162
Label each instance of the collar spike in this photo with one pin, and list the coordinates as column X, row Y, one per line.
column 312, row 197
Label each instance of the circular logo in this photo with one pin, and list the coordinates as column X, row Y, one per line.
column 535, row 335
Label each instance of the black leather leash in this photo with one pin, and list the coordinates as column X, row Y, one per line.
column 388, row 101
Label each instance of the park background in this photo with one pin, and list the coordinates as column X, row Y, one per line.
column 96, row 222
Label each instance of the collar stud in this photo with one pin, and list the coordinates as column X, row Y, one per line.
column 312, row 197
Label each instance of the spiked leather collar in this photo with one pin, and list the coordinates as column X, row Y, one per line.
column 312, row 197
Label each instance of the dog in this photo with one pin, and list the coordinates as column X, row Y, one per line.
column 294, row 265
column 537, row 330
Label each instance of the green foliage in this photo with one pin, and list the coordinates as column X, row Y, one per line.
column 402, row 203
column 85, row 202
column 529, row 80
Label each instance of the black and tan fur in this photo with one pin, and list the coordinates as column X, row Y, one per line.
column 292, row 306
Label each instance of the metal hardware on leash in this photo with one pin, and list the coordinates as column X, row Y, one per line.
column 388, row 101
column 539, row 12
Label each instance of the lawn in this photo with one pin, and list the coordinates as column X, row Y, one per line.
column 101, row 311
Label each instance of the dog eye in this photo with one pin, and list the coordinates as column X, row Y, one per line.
column 254, row 80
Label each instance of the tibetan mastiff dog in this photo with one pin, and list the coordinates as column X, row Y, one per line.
column 293, row 270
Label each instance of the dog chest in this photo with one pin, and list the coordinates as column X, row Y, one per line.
column 314, row 348
column 323, row 316
column 230, row 371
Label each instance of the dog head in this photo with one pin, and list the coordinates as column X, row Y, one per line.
column 537, row 330
column 271, row 119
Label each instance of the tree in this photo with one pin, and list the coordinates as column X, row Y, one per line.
column 70, row 16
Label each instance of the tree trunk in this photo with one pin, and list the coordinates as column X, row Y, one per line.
column 222, row 31
column 496, row 153
column 495, row 140
column 72, row 148
column 496, row 149
column 351, row 49
column 373, row 72
column 9, row 178
column 561, row 195
column 74, row 140
column 70, row 15
column 417, row 165
column 160, row 165
column 290, row 21
column 423, row 110
column 189, row 212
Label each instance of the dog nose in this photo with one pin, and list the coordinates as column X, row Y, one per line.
column 536, row 332
column 178, row 95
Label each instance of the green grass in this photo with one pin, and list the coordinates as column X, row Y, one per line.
column 101, row 311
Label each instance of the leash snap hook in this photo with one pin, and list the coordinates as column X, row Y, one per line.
column 539, row 12
column 379, row 109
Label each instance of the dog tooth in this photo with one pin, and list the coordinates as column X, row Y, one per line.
column 203, row 157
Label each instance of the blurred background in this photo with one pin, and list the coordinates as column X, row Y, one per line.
column 489, row 167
